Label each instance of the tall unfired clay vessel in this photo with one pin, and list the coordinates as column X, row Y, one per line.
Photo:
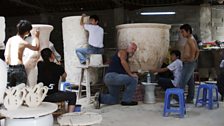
column 31, row 57
column 2, row 32
column 74, row 36
column 3, row 80
column 152, row 40
column 3, row 66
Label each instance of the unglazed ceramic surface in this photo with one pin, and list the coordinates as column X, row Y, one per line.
column 96, row 59
column 152, row 40
column 44, row 108
column 14, row 97
column 2, row 32
column 35, row 95
column 3, row 80
column 74, row 37
column 31, row 57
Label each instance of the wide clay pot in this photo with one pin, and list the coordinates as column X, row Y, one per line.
column 152, row 40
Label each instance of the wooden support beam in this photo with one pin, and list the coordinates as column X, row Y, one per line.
column 26, row 4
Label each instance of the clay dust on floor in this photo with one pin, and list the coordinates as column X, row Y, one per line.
column 151, row 115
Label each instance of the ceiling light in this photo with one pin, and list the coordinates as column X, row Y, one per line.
column 158, row 13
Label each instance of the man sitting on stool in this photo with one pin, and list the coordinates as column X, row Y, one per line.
column 175, row 67
column 49, row 73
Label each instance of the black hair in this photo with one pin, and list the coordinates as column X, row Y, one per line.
column 95, row 17
column 186, row 27
column 176, row 53
column 23, row 26
column 46, row 54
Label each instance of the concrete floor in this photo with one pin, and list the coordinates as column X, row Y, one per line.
column 151, row 115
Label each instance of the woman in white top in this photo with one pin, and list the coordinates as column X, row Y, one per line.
column 175, row 67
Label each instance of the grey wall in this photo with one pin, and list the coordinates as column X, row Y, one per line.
column 217, row 22
column 184, row 14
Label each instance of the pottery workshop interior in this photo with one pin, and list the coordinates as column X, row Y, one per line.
column 111, row 62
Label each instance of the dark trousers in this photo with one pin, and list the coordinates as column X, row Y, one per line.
column 165, row 83
column 220, row 82
column 62, row 96
column 16, row 75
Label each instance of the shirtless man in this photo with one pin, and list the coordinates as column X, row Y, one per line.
column 189, row 57
column 14, row 52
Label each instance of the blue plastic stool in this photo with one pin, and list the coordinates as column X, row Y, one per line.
column 207, row 98
column 167, row 108
column 66, row 85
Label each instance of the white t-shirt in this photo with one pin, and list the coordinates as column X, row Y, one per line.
column 176, row 67
column 95, row 35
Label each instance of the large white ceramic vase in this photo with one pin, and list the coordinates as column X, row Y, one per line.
column 74, row 36
column 31, row 57
column 2, row 32
column 152, row 40
column 3, row 66
column 3, row 80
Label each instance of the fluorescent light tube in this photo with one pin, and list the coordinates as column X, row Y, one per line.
column 158, row 13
